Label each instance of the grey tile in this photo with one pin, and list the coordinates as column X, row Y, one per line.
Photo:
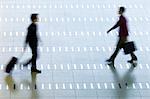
column 86, row 93
column 105, row 97
column 143, row 97
column 62, row 76
column 64, row 93
column 86, row 97
column 83, row 76
column 145, row 93
column 67, row 97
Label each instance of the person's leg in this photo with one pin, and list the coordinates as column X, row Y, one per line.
column 34, row 58
column 113, row 56
column 133, row 58
column 28, row 62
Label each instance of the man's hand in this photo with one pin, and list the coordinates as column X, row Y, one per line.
column 108, row 31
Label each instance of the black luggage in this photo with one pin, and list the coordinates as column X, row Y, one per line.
column 129, row 47
column 11, row 64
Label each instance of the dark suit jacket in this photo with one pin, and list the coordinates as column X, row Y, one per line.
column 32, row 37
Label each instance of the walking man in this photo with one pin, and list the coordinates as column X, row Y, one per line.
column 32, row 40
column 122, row 38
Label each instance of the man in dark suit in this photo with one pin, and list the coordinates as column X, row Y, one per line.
column 32, row 40
column 123, row 34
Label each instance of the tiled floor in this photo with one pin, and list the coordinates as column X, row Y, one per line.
column 74, row 49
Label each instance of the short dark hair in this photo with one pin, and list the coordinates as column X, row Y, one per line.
column 122, row 9
column 34, row 16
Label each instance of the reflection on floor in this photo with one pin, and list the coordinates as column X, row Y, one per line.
column 74, row 49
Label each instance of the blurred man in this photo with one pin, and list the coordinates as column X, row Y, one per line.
column 32, row 40
column 123, row 34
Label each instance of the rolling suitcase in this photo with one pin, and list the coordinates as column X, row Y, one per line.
column 11, row 64
column 129, row 47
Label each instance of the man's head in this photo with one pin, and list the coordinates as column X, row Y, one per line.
column 34, row 17
column 121, row 10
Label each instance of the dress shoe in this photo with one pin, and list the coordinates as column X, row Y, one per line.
column 132, row 60
column 35, row 70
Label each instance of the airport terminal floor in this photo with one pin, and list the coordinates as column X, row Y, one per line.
column 74, row 47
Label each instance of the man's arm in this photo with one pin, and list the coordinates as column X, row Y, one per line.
column 27, row 39
column 115, row 26
column 25, row 43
